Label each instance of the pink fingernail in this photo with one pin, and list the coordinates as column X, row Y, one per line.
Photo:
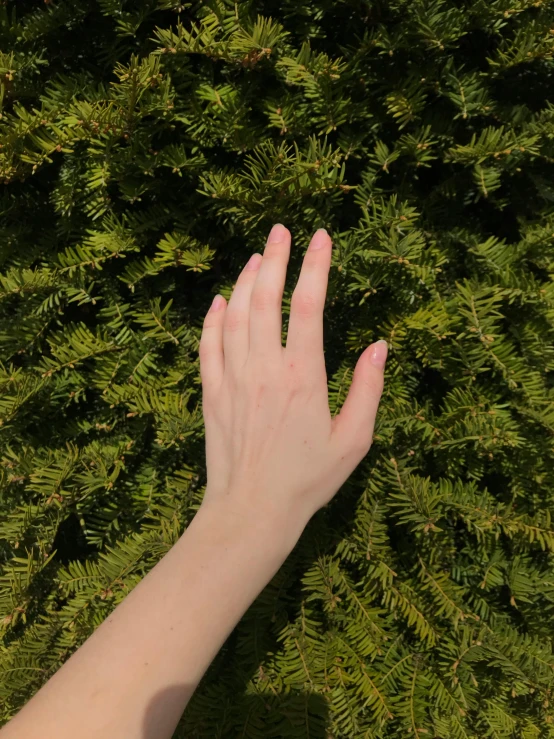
column 217, row 302
column 378, row 355
column 277, row 233
column 254, row 261
column 319, row 239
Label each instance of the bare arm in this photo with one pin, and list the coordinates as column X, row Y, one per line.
column 274, row 457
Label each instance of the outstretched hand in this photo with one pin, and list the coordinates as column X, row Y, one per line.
column 271, row 443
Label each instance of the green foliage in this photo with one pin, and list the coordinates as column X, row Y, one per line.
column 146, row 148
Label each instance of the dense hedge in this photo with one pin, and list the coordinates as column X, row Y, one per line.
column 146, row 149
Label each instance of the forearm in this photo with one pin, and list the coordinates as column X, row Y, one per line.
column 137, row 671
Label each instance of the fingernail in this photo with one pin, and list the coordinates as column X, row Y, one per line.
column 254, row 261
column 277, row 233
column 217, row 303
column 319, row 239
column 378, row 355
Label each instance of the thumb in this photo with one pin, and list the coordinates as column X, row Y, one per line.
column 353, row 426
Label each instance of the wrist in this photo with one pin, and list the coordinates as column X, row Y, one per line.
column 271, row 526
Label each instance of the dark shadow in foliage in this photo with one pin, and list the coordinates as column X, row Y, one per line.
column 70, row 542
column 287, row 716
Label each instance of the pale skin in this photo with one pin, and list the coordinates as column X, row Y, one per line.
column 275, row 455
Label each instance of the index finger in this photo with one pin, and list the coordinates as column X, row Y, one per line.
column 305, row 332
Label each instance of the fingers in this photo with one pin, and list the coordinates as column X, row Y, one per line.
column 252, row 321
column 236, row 327
column 305, row 332
column 211, row 346
column 353, row 426
column 266, row 318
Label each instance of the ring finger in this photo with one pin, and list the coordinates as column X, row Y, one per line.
column 236, row 325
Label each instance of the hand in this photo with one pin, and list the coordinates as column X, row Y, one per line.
column 272, row 447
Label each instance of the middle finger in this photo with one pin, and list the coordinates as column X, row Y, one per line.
column 266, row 317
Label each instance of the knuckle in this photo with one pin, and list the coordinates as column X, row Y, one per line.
column 257, row 393
column 375, row 384
column 264, row 299
column 296, row 384
column 300, row 379
column 304, row 304
column 233, row 321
